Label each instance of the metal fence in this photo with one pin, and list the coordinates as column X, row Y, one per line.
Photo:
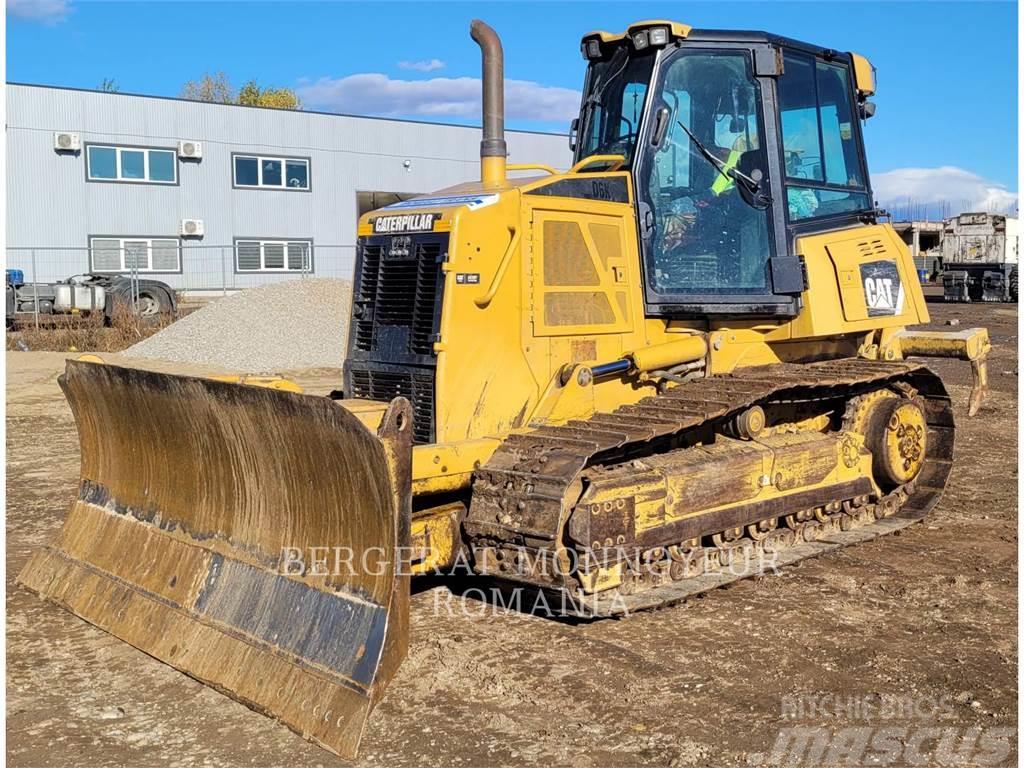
column 199, row 269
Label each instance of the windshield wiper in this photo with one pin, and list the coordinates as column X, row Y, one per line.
column 733, row 174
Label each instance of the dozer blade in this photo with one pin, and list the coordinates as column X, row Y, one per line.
column 198, row 503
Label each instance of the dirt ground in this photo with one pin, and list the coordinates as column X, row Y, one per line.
column 928, row 616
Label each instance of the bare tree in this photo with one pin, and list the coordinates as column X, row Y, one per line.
column 213, row 87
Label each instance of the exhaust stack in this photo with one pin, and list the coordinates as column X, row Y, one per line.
column 493, row 149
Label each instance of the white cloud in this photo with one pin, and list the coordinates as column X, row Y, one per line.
column 438, row 97
column 427, row 65
column 46, row 11
column 928, row 186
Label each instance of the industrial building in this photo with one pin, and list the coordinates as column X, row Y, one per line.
column 924, row 239
column 215, row 196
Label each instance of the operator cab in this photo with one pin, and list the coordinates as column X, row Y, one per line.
column 737, row 143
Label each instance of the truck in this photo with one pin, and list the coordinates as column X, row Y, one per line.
column 979, row 257
column 86, row 295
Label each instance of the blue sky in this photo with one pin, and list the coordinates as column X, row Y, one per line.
column 946, row 126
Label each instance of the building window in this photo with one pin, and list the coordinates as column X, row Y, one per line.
column 134, row 254
column 261, row 172
column 274, row 256
column 131, row 164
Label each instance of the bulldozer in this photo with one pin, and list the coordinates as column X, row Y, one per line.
column 688, row 359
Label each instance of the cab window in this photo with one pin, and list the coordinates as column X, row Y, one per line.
column 708, row 238
column 824, row 168
column 613, row 104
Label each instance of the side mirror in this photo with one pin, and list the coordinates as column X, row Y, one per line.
column 661, row 122
column 574, row 128
column 867, row 109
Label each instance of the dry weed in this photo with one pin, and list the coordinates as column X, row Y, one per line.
column 86, row 333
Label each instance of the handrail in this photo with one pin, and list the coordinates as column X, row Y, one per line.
column 483, row 301
column 618, row 160
column 532, row 167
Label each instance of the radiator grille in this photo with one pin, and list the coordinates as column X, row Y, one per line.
column 397, row 290
column 366, row 290
column 417, row 385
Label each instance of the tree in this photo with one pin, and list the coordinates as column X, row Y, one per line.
column 215, row 87
column 210, row 87
column 277, row 98
column 109, row 85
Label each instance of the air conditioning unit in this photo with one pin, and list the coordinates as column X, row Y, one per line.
column 65, row 141
column 190, row 150
column 192, row 228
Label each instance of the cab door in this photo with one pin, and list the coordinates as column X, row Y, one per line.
column 712, row 246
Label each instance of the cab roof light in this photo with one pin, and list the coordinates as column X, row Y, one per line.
column 658, row 35
column 591, row 49
column 642, row 34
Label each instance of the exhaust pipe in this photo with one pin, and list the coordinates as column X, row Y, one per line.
column 493, row 149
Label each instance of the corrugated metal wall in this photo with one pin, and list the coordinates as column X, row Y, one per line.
column 51, row 206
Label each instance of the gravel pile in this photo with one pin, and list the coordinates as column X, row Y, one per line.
column 281, row 326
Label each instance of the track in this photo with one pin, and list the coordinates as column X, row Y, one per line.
column 524, row 497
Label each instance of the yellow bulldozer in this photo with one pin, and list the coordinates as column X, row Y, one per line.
column 686, row 360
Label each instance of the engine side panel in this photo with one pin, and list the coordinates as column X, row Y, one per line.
column 859, row 280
